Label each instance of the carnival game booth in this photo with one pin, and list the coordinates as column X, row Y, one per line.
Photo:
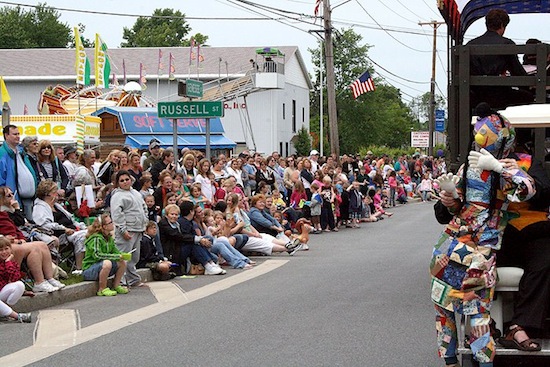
column 135, row 127
column 60, row 129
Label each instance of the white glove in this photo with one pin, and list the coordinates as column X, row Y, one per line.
column 448, row 183
column 483, row 160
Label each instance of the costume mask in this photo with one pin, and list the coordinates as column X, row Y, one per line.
column 491, row 132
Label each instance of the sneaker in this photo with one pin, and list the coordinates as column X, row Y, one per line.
column 210, row 269
column 56, row 283
column 44, row 287
column 295, row 250
column 305, row 247
column 76, row 272
column 222, row 269
column 120, row 290
column 106, row 292
column 24, row 317
column 292, row 244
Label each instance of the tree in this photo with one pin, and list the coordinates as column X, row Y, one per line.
column 37, row 28
column 302, row 142
column 420, row 108
column 374, row 118
column 87, row 43
column 166, row 28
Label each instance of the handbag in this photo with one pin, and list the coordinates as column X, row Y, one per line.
column 196, row 269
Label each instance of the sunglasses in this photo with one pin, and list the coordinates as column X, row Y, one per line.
column 123, row 180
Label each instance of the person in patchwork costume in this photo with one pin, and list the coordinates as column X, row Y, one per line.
column 463, row 264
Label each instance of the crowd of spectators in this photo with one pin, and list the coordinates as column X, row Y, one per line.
column 192, row 215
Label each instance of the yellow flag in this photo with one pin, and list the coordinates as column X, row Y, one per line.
column 5, row 95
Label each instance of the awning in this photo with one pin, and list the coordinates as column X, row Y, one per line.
column 184, row 141
column 460, row 14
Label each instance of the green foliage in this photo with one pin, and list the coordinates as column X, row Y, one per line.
column 302, row 142
column 375, row 118
column 166, row 28
column 420, row 109
column 87, row 43
column 37, row 28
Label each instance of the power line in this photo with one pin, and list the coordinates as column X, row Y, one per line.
column 407, row 46
column 132, row 15
column 395, row 75
column 396, row 13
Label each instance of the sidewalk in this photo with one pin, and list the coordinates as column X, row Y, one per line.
column 70, row 293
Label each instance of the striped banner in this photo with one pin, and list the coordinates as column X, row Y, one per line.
column 80, row 131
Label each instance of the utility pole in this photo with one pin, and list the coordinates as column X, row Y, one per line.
column 331, row 92
column 431, row 122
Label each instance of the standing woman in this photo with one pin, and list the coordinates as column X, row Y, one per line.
column 129, row 214
column 84, row 173
column 109, row 167
column 207, row 186
column 189, row 170
column 306, row 176
column 124, row 163
column 235, row 170
column 135, row 169
column 50, row 167
column 165, row 187
column 263, row 174
column 287, row 175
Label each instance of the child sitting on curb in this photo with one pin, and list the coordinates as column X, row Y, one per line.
column 102, row 258
column 11, row 287
column 150, row 257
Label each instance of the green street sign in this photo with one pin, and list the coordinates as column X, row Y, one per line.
column 194, row 88
column 189, row 110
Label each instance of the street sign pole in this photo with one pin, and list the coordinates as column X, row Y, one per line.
column 208, row 139
column 175, row 142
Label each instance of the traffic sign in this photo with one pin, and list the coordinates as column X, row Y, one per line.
column 192, row 109
column 440, row 120
column 194, row 88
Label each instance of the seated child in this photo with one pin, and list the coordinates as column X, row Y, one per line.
column 11, row 287
column 102, row 258
column 149, row 256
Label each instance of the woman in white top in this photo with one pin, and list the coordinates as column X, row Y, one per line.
column 202, row 177
column 236, row 171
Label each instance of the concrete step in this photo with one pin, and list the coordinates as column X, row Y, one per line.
column 70, row 293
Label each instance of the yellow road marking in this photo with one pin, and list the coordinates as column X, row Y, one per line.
column 170, row 301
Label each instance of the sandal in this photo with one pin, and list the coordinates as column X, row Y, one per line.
column 528, row 345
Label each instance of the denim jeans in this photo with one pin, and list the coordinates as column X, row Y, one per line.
column 221, row 246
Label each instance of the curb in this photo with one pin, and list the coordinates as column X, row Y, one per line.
column 70, row 293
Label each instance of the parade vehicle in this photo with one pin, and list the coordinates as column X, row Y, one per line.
column 533, row 119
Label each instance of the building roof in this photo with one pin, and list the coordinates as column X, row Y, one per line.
column 59, row 64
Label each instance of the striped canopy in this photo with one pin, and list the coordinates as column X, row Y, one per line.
column 460, row 14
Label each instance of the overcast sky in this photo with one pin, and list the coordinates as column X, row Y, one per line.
column 401, row 47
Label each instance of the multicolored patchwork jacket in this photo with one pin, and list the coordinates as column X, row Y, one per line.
column 470, row 238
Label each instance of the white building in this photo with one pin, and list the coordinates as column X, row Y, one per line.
column 264, row 120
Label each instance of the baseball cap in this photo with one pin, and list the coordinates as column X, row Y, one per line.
column 314, row 152
column 154, row 143
column 69, row 149
column 369, row 152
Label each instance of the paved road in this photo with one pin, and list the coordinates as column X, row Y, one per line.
column 359, row 297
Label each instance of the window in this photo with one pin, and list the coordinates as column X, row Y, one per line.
column 293, row 115
column 284, row 112
column 303, row 114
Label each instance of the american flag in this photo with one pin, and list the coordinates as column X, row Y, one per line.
column 362, row 85
column 317, row 5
